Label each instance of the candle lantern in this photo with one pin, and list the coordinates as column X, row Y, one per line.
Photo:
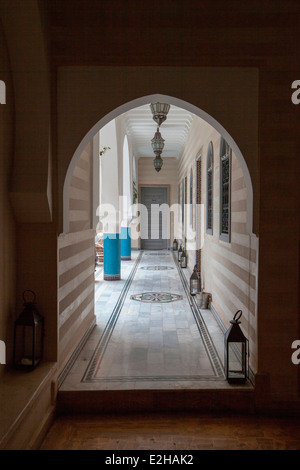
column 195, row 282
column 180, row 251
column 28, row 335
column 183, row 260
column 175, row 245
column 236, row 352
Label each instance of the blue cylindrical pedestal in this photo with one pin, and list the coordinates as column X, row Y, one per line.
column 125, row 243
column 112, row 256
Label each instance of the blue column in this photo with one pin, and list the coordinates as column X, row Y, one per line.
column 125, row 243
column 112, row 256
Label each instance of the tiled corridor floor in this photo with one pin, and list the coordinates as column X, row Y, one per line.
column 149, row 345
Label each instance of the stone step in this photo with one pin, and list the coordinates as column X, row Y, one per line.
column 124, row 401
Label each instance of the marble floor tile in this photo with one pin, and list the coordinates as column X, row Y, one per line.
column 161, row 341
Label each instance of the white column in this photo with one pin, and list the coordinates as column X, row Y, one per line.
column 109, row 188
column 96, row 180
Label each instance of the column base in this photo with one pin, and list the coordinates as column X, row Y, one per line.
column 112, row 277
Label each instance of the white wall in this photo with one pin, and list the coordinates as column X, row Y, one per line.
column 109, row 175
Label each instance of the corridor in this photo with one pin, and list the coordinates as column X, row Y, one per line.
column 150, row 333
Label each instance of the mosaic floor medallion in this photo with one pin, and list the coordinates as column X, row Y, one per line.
column 156, row 297
column 157, row 268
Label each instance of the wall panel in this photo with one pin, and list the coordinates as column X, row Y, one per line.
column 228, row 269
column 76, row 262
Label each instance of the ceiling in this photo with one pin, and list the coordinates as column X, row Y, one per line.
column 140, row 129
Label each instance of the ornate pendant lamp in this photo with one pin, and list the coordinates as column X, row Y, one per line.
column 158, row 162
column 157, row 143
column 159, row 111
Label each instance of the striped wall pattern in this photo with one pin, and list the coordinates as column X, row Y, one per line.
column 76, row 262
column 228, row 270
column 80, row 201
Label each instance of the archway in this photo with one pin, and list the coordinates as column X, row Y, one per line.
column 179, row 103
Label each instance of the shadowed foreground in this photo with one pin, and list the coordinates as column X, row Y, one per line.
column 173, row 432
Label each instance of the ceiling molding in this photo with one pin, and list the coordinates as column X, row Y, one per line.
column 140, row 128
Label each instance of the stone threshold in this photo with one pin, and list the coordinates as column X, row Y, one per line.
column 235, row 399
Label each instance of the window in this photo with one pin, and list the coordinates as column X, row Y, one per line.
column 182, row 202
column 191, row 199
column 126, row 180
column 225, row 200
column 198, row 216
column 179, row 203
column 209, row 189
column 185, row 214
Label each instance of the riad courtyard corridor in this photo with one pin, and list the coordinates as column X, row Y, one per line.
column 150, row 333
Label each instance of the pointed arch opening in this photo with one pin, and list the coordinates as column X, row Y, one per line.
column 186, row 195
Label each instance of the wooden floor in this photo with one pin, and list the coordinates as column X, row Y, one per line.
column 182, row 431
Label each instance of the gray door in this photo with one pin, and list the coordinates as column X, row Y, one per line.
column 154, row 222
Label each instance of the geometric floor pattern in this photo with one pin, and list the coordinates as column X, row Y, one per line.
column 157, row 297
column 154, row 341
column 157, row 268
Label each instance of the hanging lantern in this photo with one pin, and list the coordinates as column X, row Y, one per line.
column 158, row 163
column 195, row 282
column 157, row 143
column 175, row 245
column 179, row 254
column 28, row 336
column 159, row 112
column 183, row 260
column 236, row 352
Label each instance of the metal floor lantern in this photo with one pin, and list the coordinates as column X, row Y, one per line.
column 236, row 352
column 183, row 259
column 179, row 254
column 28, row 335
column 175, row 245
column 195, row 282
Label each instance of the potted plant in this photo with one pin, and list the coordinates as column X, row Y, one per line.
column 103, row 150
column 134, row 193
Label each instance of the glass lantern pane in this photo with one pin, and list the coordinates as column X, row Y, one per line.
column 194, row 286
column 236, row 360
column 23, row 346
column 38, row 343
